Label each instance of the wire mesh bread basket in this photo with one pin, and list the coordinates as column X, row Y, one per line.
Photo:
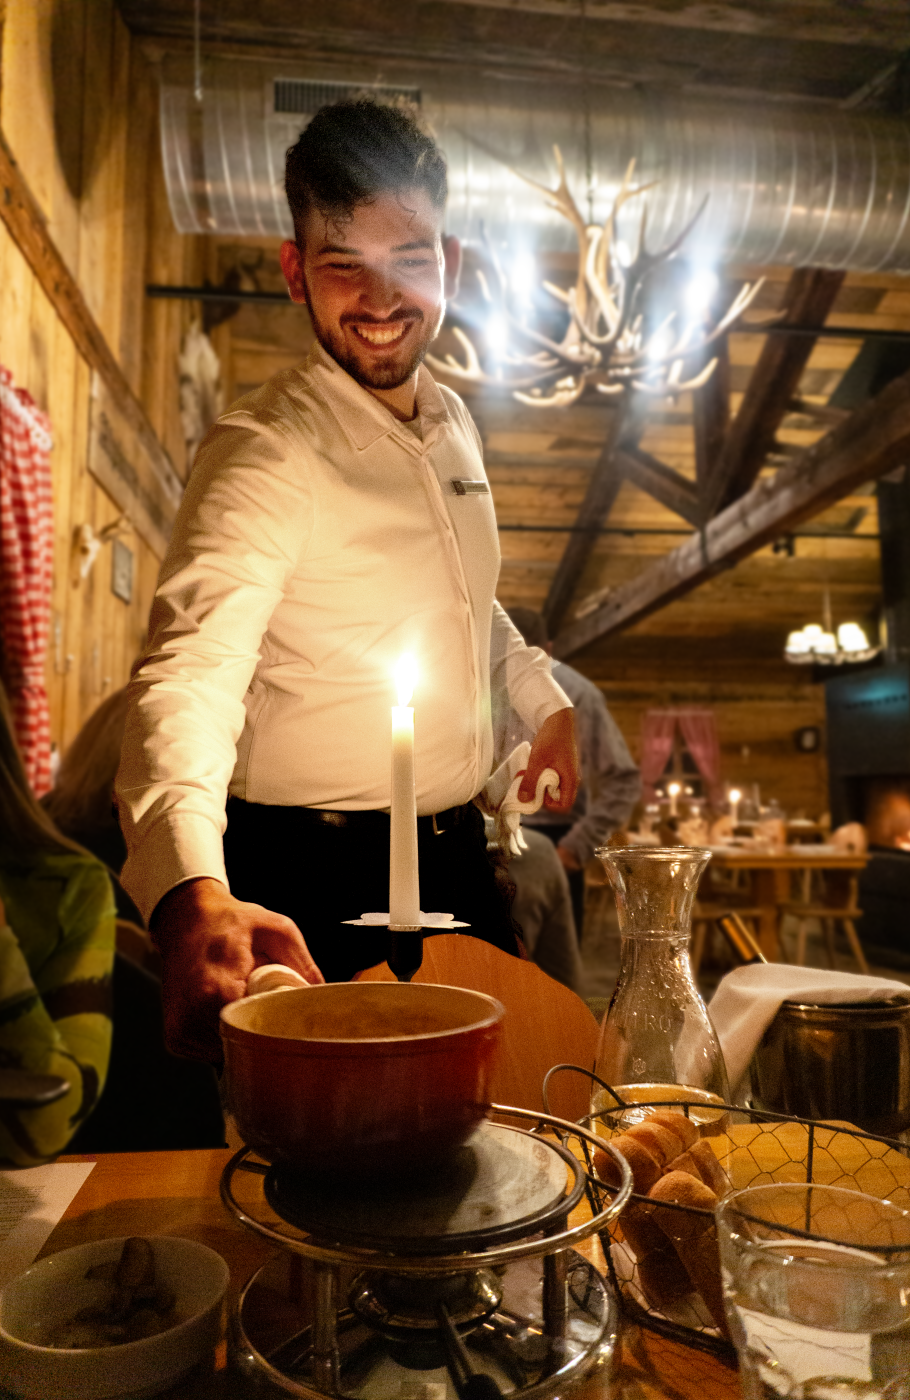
column 658, row 1250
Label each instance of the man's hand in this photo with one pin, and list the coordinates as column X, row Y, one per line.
column 209, row 944
column 554, row 747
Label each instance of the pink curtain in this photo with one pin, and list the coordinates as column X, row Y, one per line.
column 699, row 730
column 26, row 568
column 657, row 729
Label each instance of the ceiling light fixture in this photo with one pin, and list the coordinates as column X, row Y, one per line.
column 815, row 645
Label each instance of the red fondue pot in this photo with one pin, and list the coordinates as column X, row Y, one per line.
column 358, row 1078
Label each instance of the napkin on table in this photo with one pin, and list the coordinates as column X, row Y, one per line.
column 499, row 798
column 748, row 999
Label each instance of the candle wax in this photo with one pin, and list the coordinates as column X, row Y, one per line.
column 404, row 889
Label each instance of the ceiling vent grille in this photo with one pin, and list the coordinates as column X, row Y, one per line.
column 303, row 97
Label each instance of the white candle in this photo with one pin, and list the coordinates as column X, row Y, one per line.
column 404, row 889
column 735, row 799
column 673, row 792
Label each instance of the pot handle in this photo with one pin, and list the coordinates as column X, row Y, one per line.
column 274, row 977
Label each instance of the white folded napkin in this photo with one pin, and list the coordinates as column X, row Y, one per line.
column 748, row 999
column 499, row 798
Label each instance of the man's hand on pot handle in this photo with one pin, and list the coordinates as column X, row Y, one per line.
column 209, row 944
column 554, row 747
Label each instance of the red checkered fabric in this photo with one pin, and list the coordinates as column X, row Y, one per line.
column 26, row 571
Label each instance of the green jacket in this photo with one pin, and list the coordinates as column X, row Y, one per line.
column 56, row 961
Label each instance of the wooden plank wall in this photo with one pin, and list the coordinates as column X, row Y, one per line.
column 78, row 108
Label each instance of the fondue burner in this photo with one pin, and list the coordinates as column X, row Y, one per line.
column 460, row 1283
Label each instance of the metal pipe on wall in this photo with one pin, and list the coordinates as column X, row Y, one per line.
column 795, row 186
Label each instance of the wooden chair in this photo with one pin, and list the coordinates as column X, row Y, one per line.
column 830, row 910
column 545, row 1024
column 836, row 904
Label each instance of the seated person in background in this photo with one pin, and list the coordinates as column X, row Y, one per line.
column 56, row 956
column 81, row 804
column 154, row 1101
column 610, row 780
column 542, row 908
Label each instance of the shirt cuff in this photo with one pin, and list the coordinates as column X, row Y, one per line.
column 183, row 846
column 551, row 699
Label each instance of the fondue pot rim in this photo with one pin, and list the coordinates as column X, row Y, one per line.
column 345, row 1044
column 897, row 1003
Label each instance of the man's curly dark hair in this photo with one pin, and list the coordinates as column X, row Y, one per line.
column 354, row 150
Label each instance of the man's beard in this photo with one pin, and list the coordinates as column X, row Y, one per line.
column 396, row 370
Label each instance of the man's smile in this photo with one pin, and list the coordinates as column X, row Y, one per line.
column 385, row 333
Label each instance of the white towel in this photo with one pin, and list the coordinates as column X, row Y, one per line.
column 499, row 798
column 748, row 999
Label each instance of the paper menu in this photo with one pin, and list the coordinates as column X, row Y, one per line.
column 32, row 1202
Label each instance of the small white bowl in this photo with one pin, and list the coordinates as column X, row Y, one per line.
column 51, row 1292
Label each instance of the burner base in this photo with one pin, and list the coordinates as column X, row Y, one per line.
column 272, row 1336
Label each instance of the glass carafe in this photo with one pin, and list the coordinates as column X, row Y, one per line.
column 657, row 1041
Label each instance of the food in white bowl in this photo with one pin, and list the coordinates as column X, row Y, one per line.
column 52, row 1301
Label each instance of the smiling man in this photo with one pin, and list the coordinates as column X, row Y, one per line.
column 326, row 530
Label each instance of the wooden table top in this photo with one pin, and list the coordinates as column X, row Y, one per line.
column 176, row 1193
column 787, row 858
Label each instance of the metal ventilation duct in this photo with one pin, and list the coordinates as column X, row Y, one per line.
column 792, row 186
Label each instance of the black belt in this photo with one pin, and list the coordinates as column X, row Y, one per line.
column 438, row 823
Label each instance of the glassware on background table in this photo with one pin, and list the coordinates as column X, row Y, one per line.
column 817, row 1291
column 657, row 1041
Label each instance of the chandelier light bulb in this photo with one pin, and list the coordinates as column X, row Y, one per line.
column 851, row 637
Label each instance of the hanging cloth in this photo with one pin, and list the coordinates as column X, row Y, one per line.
column 699, row 730
column 26, row 571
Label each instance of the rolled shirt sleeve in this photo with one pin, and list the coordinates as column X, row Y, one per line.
column 522, row 675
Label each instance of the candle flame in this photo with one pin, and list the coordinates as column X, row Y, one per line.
column 674, row 789
column 735, row 794
column 405, row 678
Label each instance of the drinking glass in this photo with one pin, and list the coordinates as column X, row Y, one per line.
column 817, row 1292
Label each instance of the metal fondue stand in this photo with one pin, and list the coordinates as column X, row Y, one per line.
column 462, row 1283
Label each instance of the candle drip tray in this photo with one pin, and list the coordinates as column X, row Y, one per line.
column 409, row 1292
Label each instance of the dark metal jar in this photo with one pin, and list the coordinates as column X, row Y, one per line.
column 847, row 1061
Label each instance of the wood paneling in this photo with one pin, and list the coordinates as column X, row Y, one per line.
column 84, row 216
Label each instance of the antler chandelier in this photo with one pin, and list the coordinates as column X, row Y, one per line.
column 606, row 343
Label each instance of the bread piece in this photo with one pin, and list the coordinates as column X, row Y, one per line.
column 645, row 1170
column 709, row 1168
column 662, row 1276
column 662, row 1144
column 693, row 1236
column 686, row 1162
column 677, row 1123
column 660, row 1271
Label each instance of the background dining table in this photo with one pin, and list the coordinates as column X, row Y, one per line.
column 771, row 874
column 176, row 1193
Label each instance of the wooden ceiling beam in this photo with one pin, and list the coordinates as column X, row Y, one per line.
column 808, row 298
column 873, row 441
column 661, row 482
column 600, row 497
column 711, row 419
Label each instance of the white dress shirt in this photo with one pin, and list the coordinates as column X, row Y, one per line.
column 318, row 540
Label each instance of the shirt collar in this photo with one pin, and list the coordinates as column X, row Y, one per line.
column 363, row 417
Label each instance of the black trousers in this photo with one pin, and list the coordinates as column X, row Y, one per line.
column 321, row 868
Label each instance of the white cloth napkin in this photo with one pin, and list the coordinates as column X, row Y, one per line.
column 748, row 999
column 499, row 798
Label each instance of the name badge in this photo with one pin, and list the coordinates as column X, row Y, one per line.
column 470, row 488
